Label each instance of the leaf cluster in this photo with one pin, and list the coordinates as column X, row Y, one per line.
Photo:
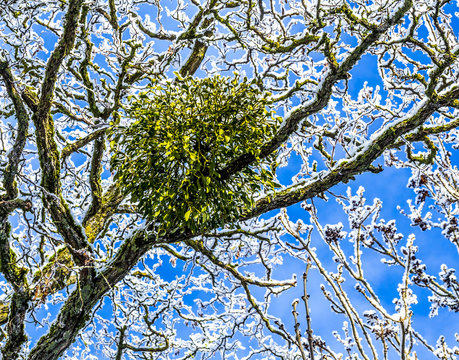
column 184, row 133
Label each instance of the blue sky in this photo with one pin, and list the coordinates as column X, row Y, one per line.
column 390, row 187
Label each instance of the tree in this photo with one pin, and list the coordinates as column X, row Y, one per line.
column 87, row 273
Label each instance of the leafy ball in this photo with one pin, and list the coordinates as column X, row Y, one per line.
column 169, row 160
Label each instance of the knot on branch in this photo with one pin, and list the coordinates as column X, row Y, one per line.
column 3, row 65
column 7, row 206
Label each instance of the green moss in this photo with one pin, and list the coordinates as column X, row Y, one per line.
column 275, row 46
column 423, row 158
column 3, row 313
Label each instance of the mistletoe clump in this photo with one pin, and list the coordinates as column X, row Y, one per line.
column 185, row 132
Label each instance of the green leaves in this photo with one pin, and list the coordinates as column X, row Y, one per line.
column 183, row 134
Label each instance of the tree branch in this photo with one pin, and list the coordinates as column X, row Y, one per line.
column 14, row 156
column 78, row 307
column 14, row 273
column 78, row 144
column 322, row 97
column 345, row 170
column 46, row 144
column 16, row 276
column 110, row 200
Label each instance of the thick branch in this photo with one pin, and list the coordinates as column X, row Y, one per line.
column 322, row 96
column 83, row 70
column 14, row 274
column 14, row 156
column 46, row 144
column 78, row 307
column 94, row 224
column 19, row 304
column 195, row 59
column 94, row 176
column 345, row 170
column 72, row 317
column 197, row 54
column 15, row 328
column 62, row 49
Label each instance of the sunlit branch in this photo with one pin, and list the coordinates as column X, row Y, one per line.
column 80, row 143
column 47, row 147
column 346, row 170
column 14, row 156
column 337, row 72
